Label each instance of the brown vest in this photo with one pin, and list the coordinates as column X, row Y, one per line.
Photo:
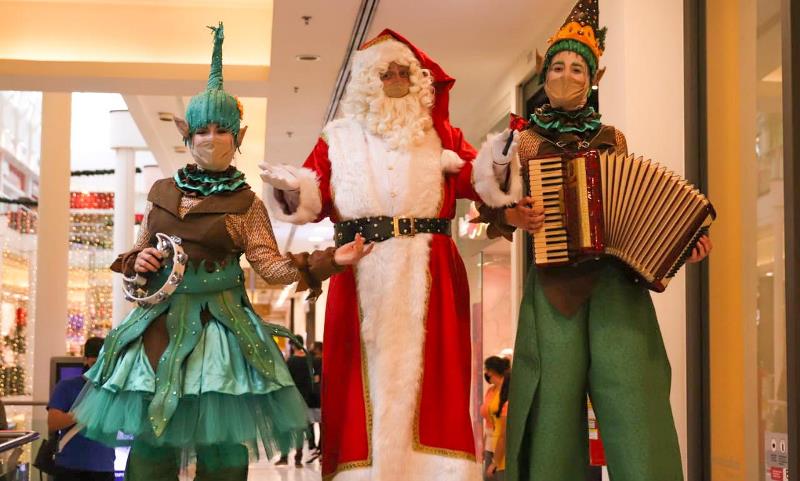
column 203, row 231
column 568, row 287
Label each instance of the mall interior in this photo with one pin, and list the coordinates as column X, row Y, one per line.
column 89, row 90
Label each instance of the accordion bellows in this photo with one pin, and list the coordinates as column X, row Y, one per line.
column 618, row 205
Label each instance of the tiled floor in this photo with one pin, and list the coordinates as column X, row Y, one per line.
column 264, row 470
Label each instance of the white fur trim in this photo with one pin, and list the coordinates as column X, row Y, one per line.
column 420, row 467
column 369, row 179
column 310, row 199
column 451, row 162
column 486, row 184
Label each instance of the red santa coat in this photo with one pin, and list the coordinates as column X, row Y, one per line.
column 397, row 361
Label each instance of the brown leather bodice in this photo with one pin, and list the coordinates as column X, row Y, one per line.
column 568, row 287
column 203, row 229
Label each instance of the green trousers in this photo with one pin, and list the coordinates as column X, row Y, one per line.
column 612, row 349
column 223, row 462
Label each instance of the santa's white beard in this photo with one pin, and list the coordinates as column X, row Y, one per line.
column 401, row 122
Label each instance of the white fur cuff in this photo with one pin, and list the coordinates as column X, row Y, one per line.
column 310, row 200
column 486, row 183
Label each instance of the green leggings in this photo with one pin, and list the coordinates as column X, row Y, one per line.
column 223, row 462
column 612, row 349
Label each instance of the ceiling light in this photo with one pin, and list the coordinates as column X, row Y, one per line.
column 314, row 238
column 165, row 116
column 307, row 58
column 180, row 149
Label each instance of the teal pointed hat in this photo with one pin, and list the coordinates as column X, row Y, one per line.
column 215, row 105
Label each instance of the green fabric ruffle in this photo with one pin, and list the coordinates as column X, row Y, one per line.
column 192, row 180
column 579, row 121
column 220, row 381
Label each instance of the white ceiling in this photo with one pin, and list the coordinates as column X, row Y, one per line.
column 473, row 40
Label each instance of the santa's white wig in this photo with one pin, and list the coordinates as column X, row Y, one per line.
column 401, row 122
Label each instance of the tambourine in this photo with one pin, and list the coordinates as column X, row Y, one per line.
column 134, row 287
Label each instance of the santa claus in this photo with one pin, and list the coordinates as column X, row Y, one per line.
column 397, row 334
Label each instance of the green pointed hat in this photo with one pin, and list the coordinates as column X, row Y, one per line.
column 214, row 105
column 580, row 34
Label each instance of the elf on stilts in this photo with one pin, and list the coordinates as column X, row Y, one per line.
column 585, row 328
column 200, row 372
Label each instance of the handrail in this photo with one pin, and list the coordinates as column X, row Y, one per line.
column 25, row 403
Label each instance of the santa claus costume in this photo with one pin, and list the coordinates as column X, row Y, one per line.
column 397, row 334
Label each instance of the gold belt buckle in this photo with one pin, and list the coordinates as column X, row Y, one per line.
column 396, row 227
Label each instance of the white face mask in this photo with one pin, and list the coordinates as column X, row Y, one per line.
column 215, row 155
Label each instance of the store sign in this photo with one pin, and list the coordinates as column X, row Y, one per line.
column 776, row 456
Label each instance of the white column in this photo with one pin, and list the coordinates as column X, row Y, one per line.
column 52, row 250
column 124, row 211
column 125, row 139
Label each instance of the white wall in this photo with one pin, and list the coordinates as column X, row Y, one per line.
column 642, row 94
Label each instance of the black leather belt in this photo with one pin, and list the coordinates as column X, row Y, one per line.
column 378, row 229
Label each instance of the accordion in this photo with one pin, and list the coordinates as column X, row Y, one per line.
column 607, row 204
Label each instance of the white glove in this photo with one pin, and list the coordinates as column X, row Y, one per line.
column 451, row 162
column 499, row 143
column 279, row 177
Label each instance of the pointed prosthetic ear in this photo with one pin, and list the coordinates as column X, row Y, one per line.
column 183, row 127
column 598, row 76
column 539, row 63
column 240, row 137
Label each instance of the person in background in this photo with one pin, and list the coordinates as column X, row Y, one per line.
column 315, row 404
column 299, row 369
column 81, row 459
column 494, row 371
column 496, row 471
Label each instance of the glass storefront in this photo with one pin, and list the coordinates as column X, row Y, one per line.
column 749, row 390
column 770, row 317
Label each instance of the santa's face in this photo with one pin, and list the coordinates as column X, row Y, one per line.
column 212, row 147
column 567, row 82
column 396, row 80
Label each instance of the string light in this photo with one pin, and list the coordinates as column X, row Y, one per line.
column 89, row 289
column 17, row 272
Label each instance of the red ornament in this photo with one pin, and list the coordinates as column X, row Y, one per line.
column 515, row 122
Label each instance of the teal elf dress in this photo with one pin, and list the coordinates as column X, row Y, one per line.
column 201, row 370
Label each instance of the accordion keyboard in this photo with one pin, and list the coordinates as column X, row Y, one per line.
column 546, row 178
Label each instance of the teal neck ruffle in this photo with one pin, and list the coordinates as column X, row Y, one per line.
column 192, row 180
column 560, row 121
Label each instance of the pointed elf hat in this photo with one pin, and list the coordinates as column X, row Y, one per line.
column 580, row 34
column 214, row 105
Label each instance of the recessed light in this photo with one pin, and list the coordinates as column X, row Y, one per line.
column 165, row 116
column 181, row 149
column 307, row 58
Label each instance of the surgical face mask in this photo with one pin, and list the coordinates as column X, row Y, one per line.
column 567, row 89
column 396, row 81
column 215, row 154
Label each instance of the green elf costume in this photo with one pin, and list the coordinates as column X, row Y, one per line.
column 200, row 372
column 587, row 328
